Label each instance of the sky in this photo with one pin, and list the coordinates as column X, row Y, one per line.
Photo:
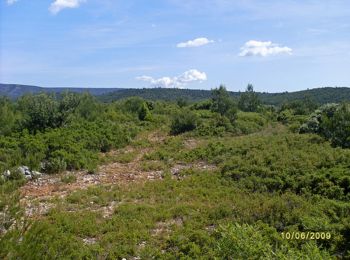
column 275, row 45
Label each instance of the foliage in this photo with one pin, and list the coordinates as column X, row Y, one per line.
column 259, row 242
column 331, row 121
column 300, row 107
column 143, row 112
column 249, row 122
column 287, row 162
column 182, row 102
column 56, row 135
column 40, row 112
column 8, row 116
column 183, row 122
column 228, row 187
column 221, row 101
column 318, row 95
column 249, row 101
column 68, row 178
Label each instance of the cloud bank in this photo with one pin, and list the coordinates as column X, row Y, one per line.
column 59, row 5
column 194, row 43
column 263, row 49
column 189, row 76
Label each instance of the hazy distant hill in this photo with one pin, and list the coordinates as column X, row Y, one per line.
column 15, row 91
column 319, row 95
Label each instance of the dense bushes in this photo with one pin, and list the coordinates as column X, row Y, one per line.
column 53, row 135
column 331, row 121
column 300, row 107
column 8, row 116
column 73, row 147
column 287, row 162
column 183, row 122
column 248, row 123
column 139, row 107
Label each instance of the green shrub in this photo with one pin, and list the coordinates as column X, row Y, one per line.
column 55, row 165
column 144, row 113
column 331, row 121
column 182, row 122
column 68, row 178
column 249, row 100
column 223, row 104
column 249, row 122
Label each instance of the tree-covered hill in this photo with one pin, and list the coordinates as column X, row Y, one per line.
column 317, row 95
column 14, row 91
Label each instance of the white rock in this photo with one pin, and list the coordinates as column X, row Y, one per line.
column 22, row 170
column 36, row 174
column 7, row 173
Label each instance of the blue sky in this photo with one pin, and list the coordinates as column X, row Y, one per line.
column 275, row 45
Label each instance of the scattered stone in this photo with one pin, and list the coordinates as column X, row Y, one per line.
column 142, row 244
column 27, row 173
column 7, row 173
column 89, row 240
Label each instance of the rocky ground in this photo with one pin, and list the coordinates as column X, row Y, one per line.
column 37, row 194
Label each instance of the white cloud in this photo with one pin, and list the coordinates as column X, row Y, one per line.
column 10, row 2
column 58, row 5
column 194, row 43
column 176, row 82
column 259, row 48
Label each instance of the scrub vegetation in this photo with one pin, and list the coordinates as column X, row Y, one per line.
column 220, row 178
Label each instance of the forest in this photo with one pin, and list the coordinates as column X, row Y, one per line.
column 320, row 96
column 220, row 177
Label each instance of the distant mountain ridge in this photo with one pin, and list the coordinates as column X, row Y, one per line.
column 319, row 95
column 15, row 90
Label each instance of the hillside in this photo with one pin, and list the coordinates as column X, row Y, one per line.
column 82, row 179
column 318, row 95
column 14, row 91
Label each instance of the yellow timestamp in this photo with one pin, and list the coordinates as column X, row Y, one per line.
column 307, row 235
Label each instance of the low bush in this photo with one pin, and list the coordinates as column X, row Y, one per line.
column 183, row 121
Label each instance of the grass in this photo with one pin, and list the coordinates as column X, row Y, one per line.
column 68, row 178
column 121, row 157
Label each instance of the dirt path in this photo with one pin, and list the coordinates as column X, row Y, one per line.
column 36, row 194
column 110, row 173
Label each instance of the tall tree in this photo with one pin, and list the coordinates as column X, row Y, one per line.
column 223, row 104
column 249, row 100
column 221, row 99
